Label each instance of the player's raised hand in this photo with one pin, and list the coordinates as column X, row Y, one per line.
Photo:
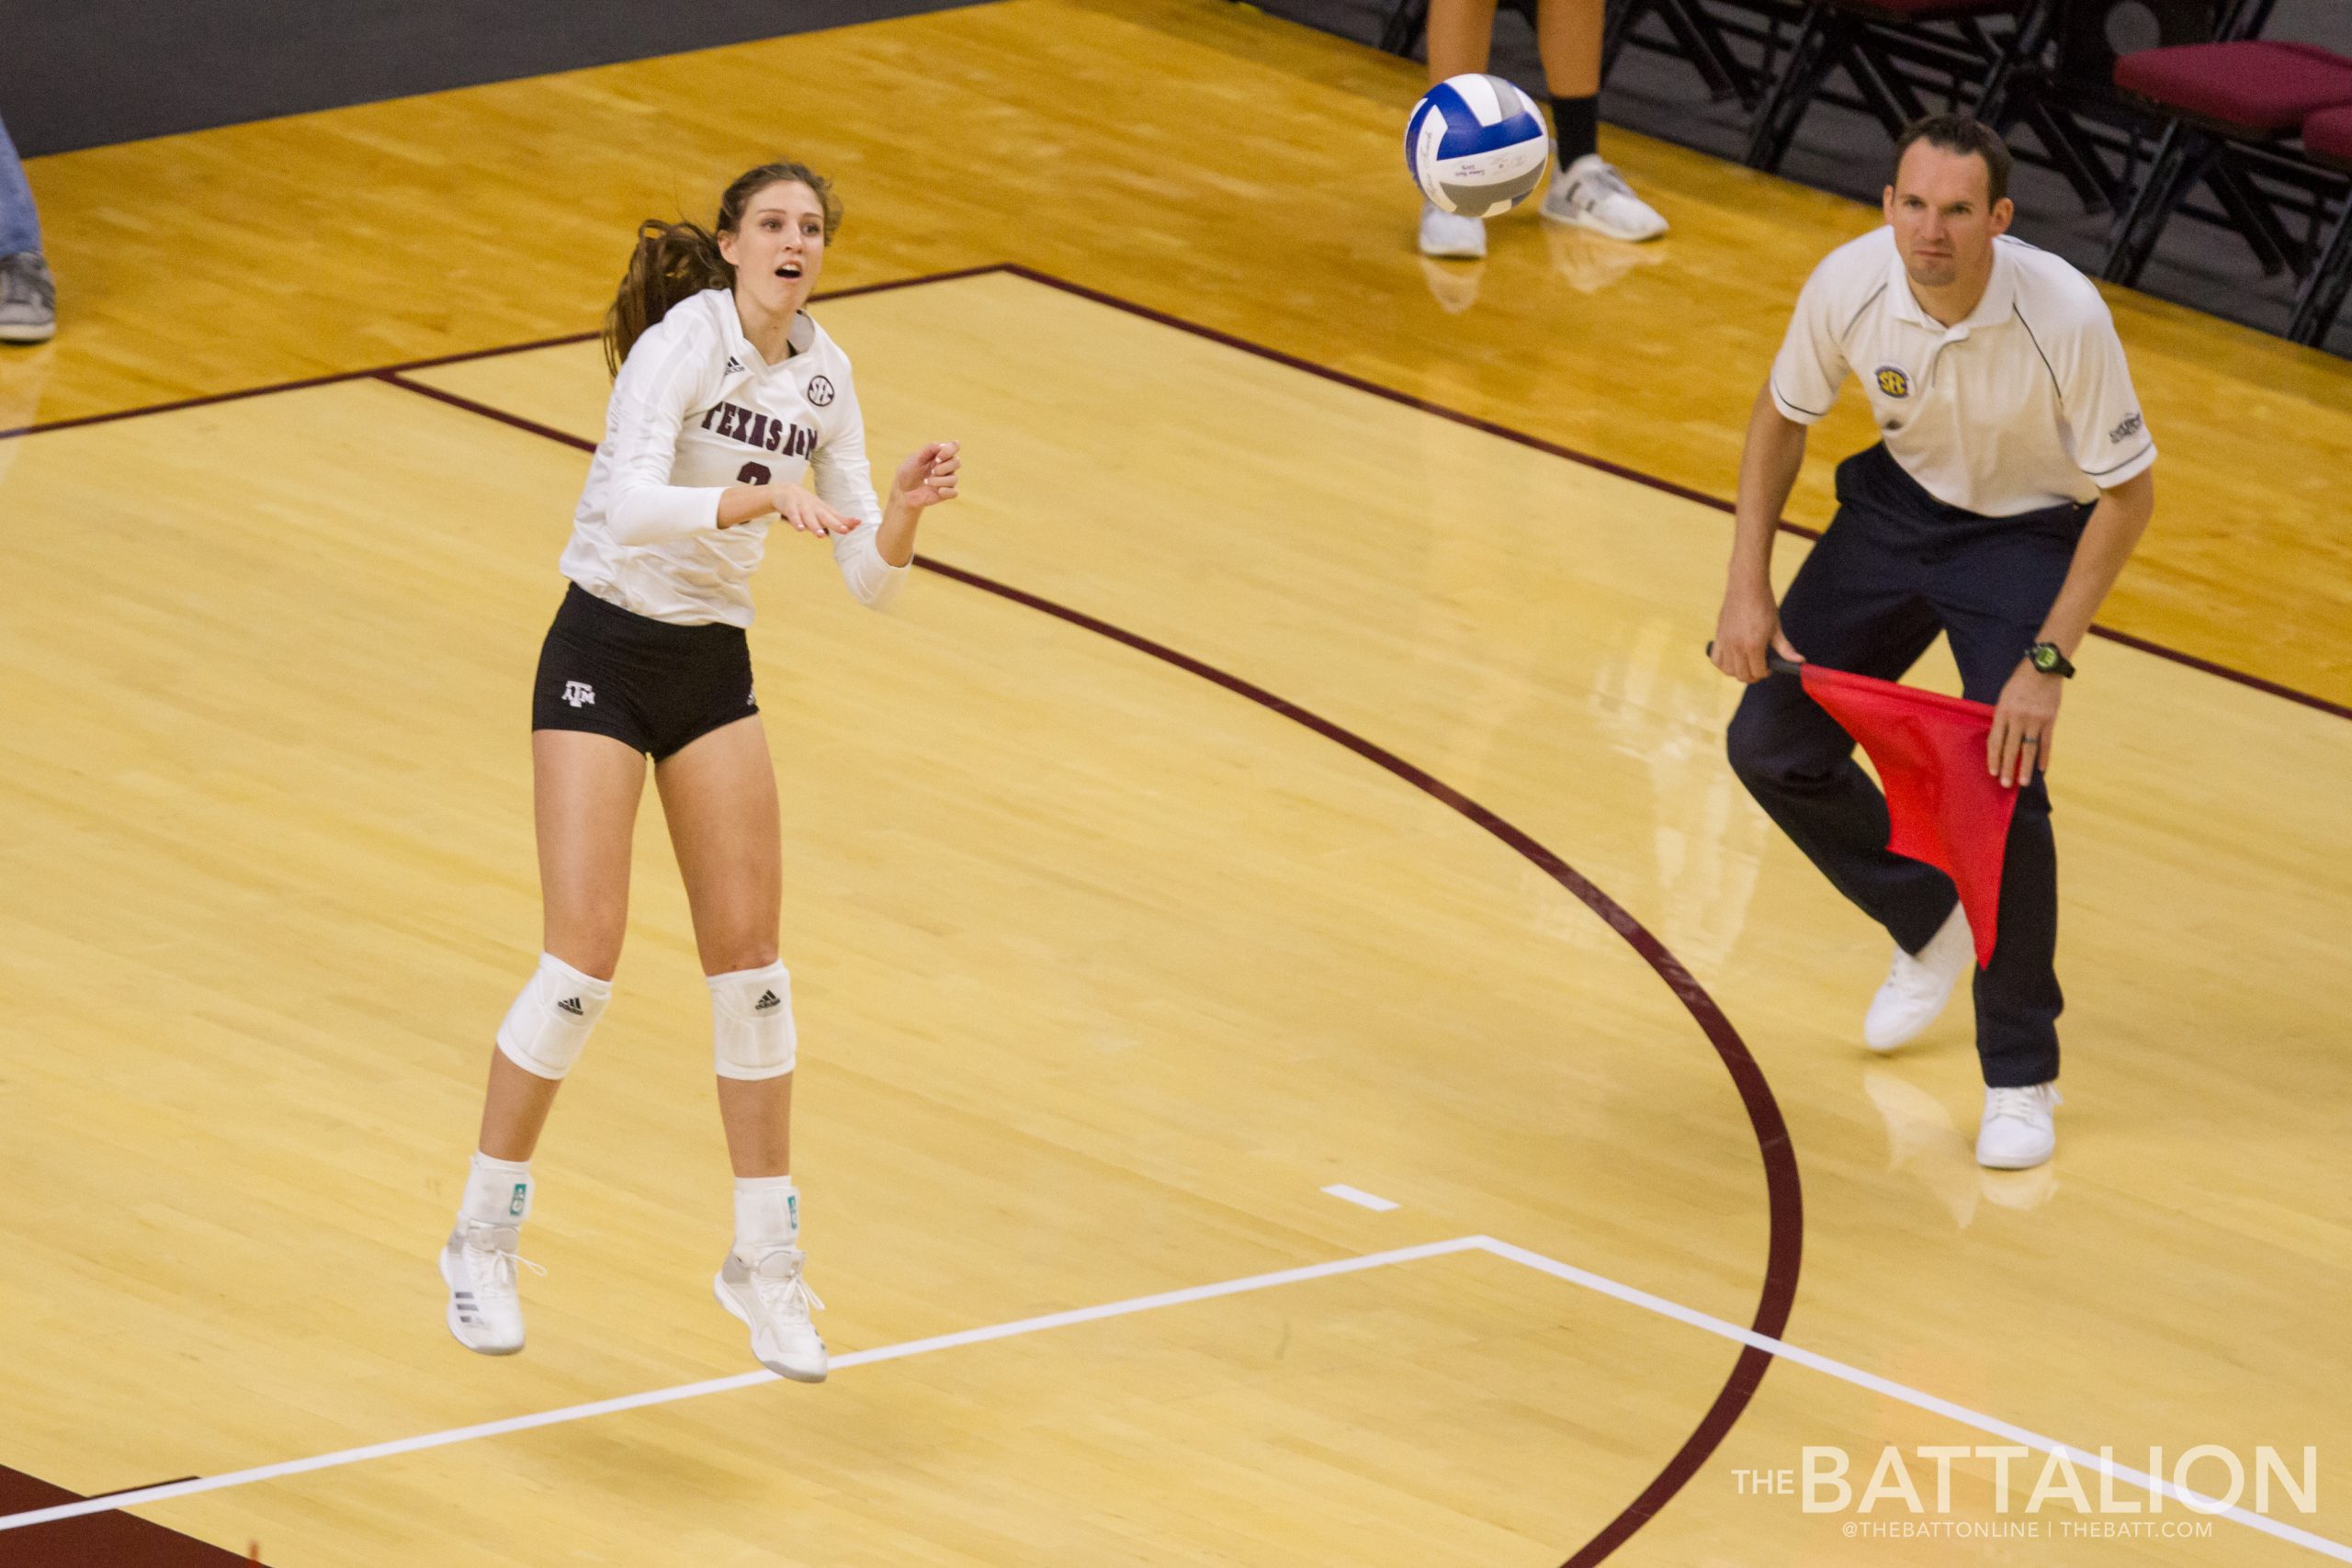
column 806, row 512
column 929, row 477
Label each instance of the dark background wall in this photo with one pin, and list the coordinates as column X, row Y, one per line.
column 84, row 72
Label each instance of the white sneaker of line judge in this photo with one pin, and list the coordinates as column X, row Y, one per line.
column 1592, row 193
column 1916, row 988
column 2017, row 1133
column 769, row 1295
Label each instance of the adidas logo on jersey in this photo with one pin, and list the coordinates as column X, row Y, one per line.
column 579, row 693
column 767, row 999
column 571, row 1005
column 733, row 364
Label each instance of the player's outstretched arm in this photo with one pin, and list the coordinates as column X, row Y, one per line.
column 1747, row 628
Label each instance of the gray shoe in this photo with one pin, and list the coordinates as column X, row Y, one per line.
column 28, row 298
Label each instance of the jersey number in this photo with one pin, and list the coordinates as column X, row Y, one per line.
column 752, row 474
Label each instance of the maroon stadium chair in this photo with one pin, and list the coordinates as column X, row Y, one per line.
column 2063, row 92
column 2327, row 142
column 2234, row 109
column 1899, row 54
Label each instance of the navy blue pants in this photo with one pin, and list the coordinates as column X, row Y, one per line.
column 1897, row 567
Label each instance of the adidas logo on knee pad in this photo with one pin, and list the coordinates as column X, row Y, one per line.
column 767, row 999
column 571, row 1005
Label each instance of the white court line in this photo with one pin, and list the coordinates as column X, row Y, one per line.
column 2203, row 1504
column 721, row 1385
column 1359, row 1198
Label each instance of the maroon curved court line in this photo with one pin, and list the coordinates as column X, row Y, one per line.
column 1783, row 1191
column 1016, row 269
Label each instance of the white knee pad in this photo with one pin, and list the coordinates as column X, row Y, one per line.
column 751, row 1014
column 547, row 1027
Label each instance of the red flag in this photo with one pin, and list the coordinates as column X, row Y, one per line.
column 1947, row 809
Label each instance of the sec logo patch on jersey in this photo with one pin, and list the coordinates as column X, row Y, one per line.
column 1892, row 382
column 820, row 392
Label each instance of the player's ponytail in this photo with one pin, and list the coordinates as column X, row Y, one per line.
column 677, row 261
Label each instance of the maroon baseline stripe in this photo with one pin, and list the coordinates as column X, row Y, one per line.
column 114, row 1538
column 1552, row 449
column 339, row 377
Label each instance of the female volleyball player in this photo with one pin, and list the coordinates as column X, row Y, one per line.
column 725, row 396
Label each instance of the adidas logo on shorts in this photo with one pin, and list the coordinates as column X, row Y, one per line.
column 767, row 999
column 571, row 1005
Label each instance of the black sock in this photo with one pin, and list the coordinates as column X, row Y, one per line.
column 1577, row 123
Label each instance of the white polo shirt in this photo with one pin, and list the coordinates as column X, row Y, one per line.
column 694, row 411
column 2026, row 404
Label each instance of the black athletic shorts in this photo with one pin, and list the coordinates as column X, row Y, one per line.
column 649, row 684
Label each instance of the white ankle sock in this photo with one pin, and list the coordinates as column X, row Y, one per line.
column 498, row 1191
column 768, row 1214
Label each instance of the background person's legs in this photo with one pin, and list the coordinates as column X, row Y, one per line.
column 1587, row 192
column 1461, row 36
column 27, row 296
column 1568, row 35
column 19, row 224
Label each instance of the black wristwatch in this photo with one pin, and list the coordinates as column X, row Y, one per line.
column 2046, row 658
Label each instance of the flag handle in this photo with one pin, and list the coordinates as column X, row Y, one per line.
column 1772, row 661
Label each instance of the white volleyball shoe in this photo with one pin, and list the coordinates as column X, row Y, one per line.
column 478, row 1264
column 1917, row 989
column 2018, row 1131
column 1451, row 235
column 1592, row 193
column 769, row 1296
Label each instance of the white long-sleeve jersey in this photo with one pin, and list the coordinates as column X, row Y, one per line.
column 694, row 411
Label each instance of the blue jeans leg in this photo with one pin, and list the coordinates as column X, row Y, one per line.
column 20, row 224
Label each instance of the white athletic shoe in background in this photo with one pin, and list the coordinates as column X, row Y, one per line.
column 1450, row 234
column 2017, row 1133
column 479, row 1265
column 1917, row 989
column 1592, row 193
column 769, row 1294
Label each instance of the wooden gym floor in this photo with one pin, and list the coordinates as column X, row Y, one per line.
column 1277, row 785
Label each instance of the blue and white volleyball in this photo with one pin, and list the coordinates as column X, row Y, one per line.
column 1477, row 145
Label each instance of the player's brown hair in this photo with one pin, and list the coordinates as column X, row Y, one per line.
column 1959, row 133
column 674, row 261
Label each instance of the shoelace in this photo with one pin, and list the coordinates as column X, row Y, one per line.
column 2021, row 1103
column 494, row 1269
column 1912, row 977
column 789, row 1296
column 1601, row 181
